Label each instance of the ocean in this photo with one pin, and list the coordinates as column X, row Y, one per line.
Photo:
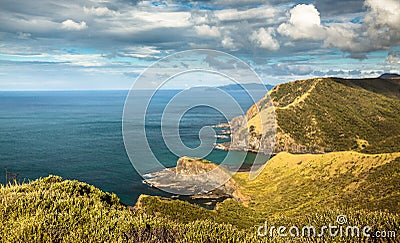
column 78, row 135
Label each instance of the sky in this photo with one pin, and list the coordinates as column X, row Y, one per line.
column 104, row 44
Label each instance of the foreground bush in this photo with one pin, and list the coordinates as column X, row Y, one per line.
column 53, row 210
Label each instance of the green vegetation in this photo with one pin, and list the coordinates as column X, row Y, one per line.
column 53, row 210
column 333, row 114
column 285, row 94
column 305, row 190
column 387, row 86
column 227, row 212
column 324, row 115
column 293, row 185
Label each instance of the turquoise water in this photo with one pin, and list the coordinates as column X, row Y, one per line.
column 77, row 135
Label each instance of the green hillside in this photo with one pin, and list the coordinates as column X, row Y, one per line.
column 331, row 114
column 301, row 184
column 296, row 187
column 306, row 190
column 53, row 210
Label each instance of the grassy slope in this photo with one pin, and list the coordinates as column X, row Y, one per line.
column 307, row 189
column 52, row 210
column 298, row 184
column 339, row 115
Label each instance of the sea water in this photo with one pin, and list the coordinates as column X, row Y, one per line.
column 77, row 135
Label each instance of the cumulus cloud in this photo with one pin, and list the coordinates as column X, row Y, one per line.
column 199, row 17
column 146, row 30
column 339, row 7
column 140, row 52
column 383, row 23
column 99, row 11
column 228, row 43
column 238, row 29
column 383, row 12
column 263, row 12
column 355, row 73
column 265, row 38
column 23, row 35
column 208, row 31
column 304, row 23
column 85, row 60
column 69, row 24
column 342, row 36
column 378, row 30
column 393, row 57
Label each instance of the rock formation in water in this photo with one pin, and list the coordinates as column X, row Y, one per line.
column 196, row 177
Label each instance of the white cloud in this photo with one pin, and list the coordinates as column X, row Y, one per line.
column 239, row 2
column 27, row 24
column 206, row 30
column 229, row 43
column 141, row 24
column 265, row 38
column 72, row 25
column 383, row 23
column 23, row 35
column 158, row 19
column 378, row 30
column 85, row 60
column 384, row 12
column 341, row 35
column 99, row 11
column 263, row 12
column 261, row 15
column 393, row 58
column 199, row 17
column 140, row 52
column 238, row 28
column 304, row 23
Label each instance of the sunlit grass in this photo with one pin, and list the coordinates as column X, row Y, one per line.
column 297, row 184
column 53, row 210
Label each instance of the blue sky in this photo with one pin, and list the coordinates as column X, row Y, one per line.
column 101, row 44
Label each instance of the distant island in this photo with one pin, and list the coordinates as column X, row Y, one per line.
column 250, row 86
column 235, row 87
column 390, row 76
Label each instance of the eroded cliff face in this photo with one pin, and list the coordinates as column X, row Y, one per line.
column 255, row 131
column 259, row 130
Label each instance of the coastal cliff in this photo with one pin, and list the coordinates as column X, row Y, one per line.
column 322, row 115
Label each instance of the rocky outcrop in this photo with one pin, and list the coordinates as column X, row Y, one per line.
column 253, row 132
column 198, row 178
